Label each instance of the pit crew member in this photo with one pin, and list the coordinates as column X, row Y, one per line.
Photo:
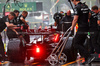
column 81, row 16
column 94, row 30
column 10, row 33
column 4, row 22
column 23, row 22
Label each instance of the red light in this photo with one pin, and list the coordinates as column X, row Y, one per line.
column 37, row 50
column 99, row 55
column 56, row 38
column 45, row 27
column 40, row 27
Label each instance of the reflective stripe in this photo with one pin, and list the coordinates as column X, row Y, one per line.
column 67, row 22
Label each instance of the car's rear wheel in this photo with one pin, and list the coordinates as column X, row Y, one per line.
column 69, row 50
column 16, row 51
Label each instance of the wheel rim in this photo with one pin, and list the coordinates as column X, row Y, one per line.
column 63, row 59
column 53, row 59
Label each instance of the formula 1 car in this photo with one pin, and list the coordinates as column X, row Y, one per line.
column 18, row 49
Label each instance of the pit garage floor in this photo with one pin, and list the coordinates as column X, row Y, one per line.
column 74, row 63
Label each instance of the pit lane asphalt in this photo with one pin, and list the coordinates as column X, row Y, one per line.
column 73, row 63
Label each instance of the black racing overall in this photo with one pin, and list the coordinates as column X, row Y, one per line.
column 2, row 27
column 10, row 33
column 94, row 33
column 25, row 27
column 82, row 11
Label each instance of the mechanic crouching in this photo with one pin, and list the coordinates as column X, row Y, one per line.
column 5, row 22
column 94, row 32
column 81, row 17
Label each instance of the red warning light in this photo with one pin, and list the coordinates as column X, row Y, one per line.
column 40, row 27
column 37, row 50
column 45, row 27
column 99, row 55
column 56, row 38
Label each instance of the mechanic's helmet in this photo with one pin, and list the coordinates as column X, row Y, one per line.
column 57, row 16
column 62, row 14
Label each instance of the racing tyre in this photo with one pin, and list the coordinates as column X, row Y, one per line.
column 69, row 50
column 16, row 50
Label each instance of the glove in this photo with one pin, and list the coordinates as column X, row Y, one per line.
column 19, row 35
column 70, row 31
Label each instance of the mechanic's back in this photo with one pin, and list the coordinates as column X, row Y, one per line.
column 82, row 11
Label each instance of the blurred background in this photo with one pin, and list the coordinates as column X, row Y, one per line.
column 40, row 11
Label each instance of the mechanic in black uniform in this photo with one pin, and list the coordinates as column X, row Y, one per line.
column 62, row 13
column 81, row 17
column 23, row 22
column 10, row 33
column 67, row 20
column 58, row 17
column 4, row 22
column 94, row 30
column 15, row 21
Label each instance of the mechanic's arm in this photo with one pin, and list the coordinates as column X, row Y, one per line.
column 89, row 17
column 15, row 31
column 23, row 20
column 74, row 22
column 98, row 22
column 10, row 25
column 55, row 23
column 98, row 19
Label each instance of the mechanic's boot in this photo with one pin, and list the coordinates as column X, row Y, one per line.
column 88, row 60
column 82, row 63
column 2, row 61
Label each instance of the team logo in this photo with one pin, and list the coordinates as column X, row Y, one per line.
column 8, row 6
column 25, row 5
column 75, row 11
